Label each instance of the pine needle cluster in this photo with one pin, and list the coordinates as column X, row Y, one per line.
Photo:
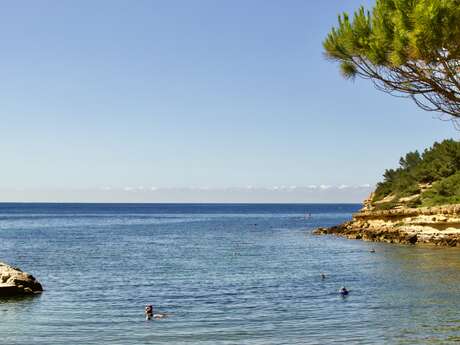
column 406, row 47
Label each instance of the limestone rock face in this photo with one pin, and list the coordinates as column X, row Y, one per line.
column 432, row 225
column 14, row 282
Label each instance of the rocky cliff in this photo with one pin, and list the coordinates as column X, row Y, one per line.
column 436, row 225
column 14, row 282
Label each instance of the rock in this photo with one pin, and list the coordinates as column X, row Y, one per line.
column 412, row 239
column 320, row 231
column 14, row 282
column 432, row 225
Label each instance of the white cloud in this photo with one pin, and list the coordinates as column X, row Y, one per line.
column 279, row 193
column 277, row 188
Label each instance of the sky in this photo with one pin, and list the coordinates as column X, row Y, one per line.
column 197, row 101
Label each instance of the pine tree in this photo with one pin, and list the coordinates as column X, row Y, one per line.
column 406, row 47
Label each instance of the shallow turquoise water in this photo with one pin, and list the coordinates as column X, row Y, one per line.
column 230, row 274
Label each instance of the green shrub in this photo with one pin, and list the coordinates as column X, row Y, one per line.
column 434, row 165
column 446, row 191
column 417, row 202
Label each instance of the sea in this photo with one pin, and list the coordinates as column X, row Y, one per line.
column 224, row 274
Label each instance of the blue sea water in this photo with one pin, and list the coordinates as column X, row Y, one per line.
column 227, row 273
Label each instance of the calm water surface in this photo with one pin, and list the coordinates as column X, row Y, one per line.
column 230, row 274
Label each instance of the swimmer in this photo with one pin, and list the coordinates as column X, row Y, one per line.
column 149, row 315
column 148, row 311
column 323, row 276
column 343, row 291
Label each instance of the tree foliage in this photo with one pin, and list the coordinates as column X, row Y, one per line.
column 406, row 47
column 438, row 167
column 446, row 191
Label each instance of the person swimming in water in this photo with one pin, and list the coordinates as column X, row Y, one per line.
column 323, row 276
column 149, row 315
column 343, row 291
column 148, row 312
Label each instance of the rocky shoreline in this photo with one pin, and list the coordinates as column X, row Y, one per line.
column 426, row 225
column 14, row 282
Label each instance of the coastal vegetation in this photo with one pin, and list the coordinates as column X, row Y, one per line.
column 422, row 179
column 407, row 48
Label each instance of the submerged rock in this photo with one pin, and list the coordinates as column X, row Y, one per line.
column 14, row 282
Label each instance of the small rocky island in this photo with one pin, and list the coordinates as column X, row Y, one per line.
column 419, row 202
column 14, row 282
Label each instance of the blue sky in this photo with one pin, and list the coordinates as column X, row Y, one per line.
column 101, row 95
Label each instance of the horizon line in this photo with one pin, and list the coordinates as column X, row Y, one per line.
column 181, row 203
